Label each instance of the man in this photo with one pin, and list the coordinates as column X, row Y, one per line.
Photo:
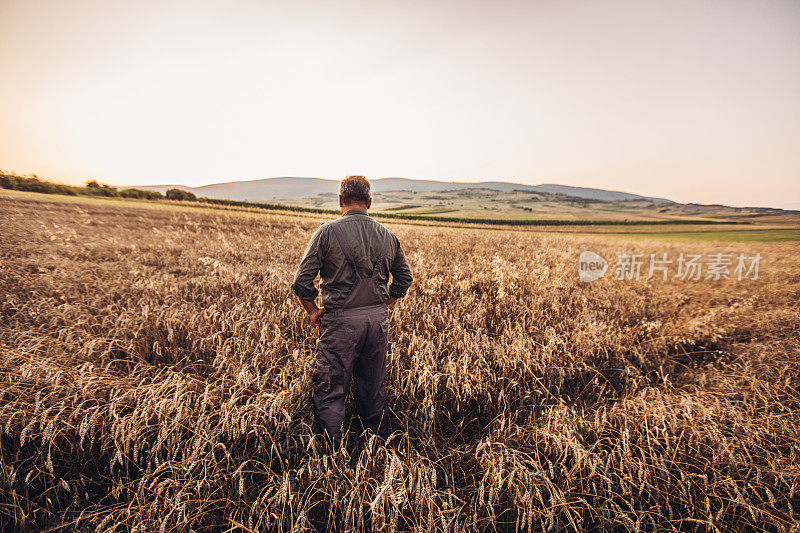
column 354, row 256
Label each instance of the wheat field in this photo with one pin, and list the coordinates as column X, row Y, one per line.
column 155, row 377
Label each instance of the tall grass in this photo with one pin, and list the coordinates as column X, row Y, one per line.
column 154, row 377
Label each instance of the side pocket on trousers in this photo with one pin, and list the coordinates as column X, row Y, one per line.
column 384, row 327
column 321, row 376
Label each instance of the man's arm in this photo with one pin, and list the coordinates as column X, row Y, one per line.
column 401, row 275
column 314, row 312
column 303, row 285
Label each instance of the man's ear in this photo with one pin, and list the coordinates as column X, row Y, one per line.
column 369, row 203
column 340, row 201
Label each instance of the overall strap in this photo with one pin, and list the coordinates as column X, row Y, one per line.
column 387, row 242
column 346, row 249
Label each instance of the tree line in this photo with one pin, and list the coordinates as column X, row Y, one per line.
column 33, row 183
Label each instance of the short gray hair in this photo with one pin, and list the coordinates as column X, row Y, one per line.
column 354, row 189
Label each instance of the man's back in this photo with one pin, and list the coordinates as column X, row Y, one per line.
column 366, row 238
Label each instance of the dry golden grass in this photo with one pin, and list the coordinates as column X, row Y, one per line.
column 154, row 377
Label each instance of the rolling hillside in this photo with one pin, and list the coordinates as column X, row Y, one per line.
column 288, row 187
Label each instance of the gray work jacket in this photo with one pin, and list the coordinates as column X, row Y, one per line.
column 324, row 256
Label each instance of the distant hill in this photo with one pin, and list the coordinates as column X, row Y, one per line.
column 594, row 194
column 267, row 189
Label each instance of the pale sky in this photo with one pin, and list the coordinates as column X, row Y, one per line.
column 689, row 100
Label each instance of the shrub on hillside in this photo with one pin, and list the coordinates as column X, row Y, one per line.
column 178, row 194
column 141, row 194
column 34, row 184
column 100, row 189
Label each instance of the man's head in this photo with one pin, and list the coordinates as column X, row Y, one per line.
column 354, row 193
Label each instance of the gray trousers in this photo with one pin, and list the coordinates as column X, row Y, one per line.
column 352, row 342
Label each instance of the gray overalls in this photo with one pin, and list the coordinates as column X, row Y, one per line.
column 353, row 341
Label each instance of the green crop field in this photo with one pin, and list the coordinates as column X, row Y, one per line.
column 743, row 235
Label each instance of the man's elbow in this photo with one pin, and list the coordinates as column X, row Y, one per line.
column 304, row 293
column 399, row 289
column 408, row 279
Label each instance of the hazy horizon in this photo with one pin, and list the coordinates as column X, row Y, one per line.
column 162, row 184
column 695, row 102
